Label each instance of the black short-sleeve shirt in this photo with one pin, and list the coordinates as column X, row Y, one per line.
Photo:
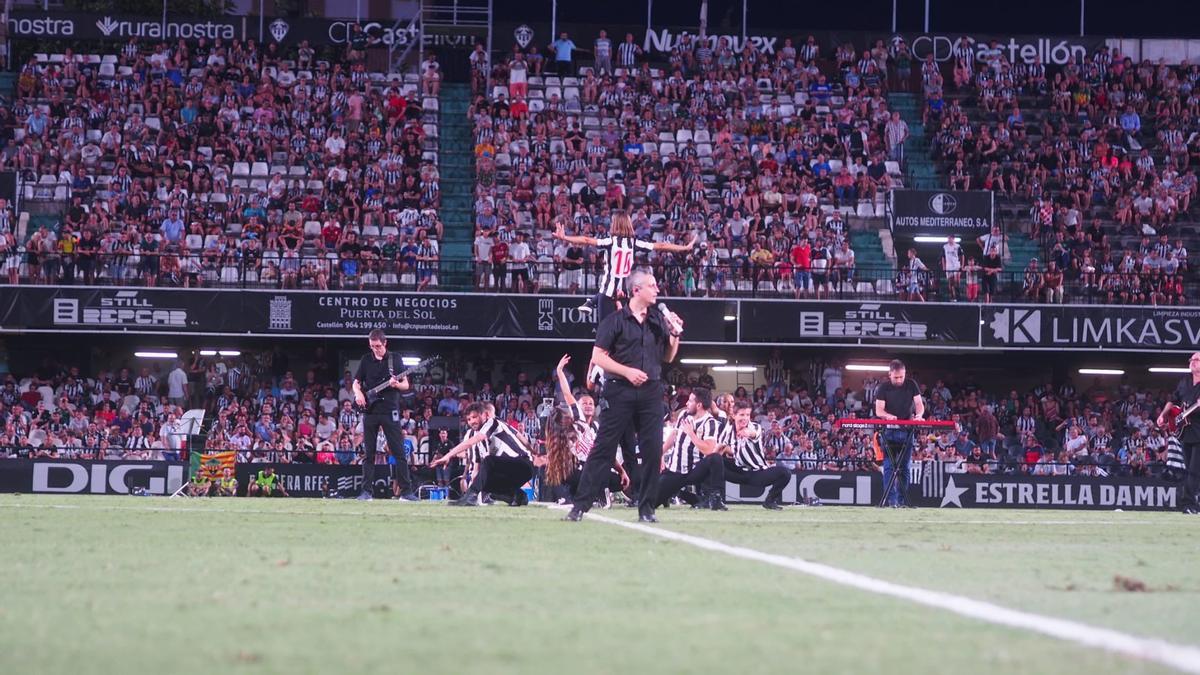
column 372, row 372
column 1185, row 395
column 640, row 345
column 898, row 400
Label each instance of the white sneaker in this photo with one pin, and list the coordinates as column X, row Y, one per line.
column 607, row 498
column 586, row 308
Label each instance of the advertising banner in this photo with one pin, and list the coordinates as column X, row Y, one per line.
column 1091, row 327
column 315, row 480
column 452, row 314
column 44, row 25
column 310, row 313
column 858, row 322
column 963, row 213
column 69, row 308
column 101, row 477
column 845, row 488
column 318, row 31
column 1019, row 491
column 658, row 42
column 930, row 487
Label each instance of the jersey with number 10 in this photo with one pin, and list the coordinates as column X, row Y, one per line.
column 618, row 261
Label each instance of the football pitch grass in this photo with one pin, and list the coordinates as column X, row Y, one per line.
column 112, row 584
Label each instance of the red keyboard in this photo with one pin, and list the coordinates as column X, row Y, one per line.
column 915, row 425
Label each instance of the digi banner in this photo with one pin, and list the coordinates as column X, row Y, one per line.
column 1090, row 327
column 848, row 488
column 963, row 213
column 894, row 323
column 100, row 477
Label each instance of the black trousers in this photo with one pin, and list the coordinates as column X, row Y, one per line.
column 776, row 476
column 501, row 476
column 372, row 424
column 1191, row 481
column 708, row 475
column 570, row 488
column 629, row 408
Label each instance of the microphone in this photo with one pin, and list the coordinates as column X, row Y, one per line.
column 672, row 320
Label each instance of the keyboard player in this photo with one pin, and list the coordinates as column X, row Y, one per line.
column 899, row 398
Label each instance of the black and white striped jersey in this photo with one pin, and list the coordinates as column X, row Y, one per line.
column 748, row 452
column 627, row 54
column 618, row 261
column 503, row 440
column 684, row 455
column 585, row 433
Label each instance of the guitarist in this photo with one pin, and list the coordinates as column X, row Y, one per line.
column 1186, row 394
column 382, row 411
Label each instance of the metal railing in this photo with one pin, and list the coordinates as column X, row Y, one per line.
column 738, row 279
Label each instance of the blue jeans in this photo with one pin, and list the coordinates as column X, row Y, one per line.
column 896, row 443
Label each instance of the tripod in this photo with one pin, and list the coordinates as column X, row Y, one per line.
column 895, row 451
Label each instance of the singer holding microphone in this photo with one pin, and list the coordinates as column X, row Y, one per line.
column 631, row 347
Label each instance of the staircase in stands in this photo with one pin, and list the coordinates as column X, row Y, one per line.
column 456, row 165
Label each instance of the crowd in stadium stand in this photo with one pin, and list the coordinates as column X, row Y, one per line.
column 1103, row 152
column 272, row 407
column 222, row 163
column 761, row 156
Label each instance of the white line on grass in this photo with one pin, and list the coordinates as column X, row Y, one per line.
column 1181, row 657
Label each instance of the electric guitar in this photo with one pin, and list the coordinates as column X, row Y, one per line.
column 1176, row 418
column 374, row 393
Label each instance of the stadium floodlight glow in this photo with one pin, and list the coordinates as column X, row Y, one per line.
column 230, row 352
column 410, row 360
column 704, row 362
column 933, row 239
column 730, row 317
column 156, row 355
column 734, row 369
column 867, row 367
column 1101, row 371
column 208, row 352
column 1169, row 369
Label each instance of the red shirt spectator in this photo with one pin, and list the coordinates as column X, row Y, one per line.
column 802, row 256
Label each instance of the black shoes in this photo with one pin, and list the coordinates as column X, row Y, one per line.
column 716, row 503
column 647, row 517
column 365, row 496
column 772, row 505
column 519, row 498
column 469, row 498
column 574, row 516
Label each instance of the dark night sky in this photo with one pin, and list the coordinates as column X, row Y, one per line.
column 1147, row 18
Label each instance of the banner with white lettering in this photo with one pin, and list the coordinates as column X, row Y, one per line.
column 101, row 477
column 962, row 213
column 333, row 313
column 315, row 480
column 848, row 488
column 67, row 26
column 1091, row 327
column 858, row 322
column 1018, row 491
